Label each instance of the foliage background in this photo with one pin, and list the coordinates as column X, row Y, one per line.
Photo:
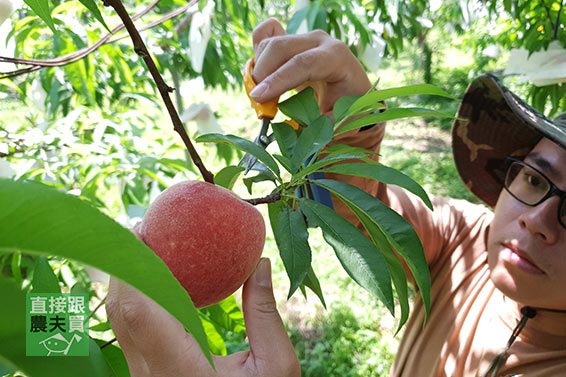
column 96, row 128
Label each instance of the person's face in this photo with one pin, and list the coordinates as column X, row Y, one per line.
column 527, row 245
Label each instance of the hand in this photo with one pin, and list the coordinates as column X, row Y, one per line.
column 284, row 62
column 156, row 344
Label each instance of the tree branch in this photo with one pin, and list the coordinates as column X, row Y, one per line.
column 271, row 198
column 16, row 151
column 108, row 343
column 164, row 89
column 36, row 64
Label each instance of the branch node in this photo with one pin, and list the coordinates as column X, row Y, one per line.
column 141, row 52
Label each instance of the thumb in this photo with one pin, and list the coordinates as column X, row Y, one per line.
column 269, row 343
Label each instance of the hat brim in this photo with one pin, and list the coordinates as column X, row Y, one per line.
column 493, row 124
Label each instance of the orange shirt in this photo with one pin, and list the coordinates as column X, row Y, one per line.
column 470, row 320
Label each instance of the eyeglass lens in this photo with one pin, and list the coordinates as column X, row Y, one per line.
column 530, row 187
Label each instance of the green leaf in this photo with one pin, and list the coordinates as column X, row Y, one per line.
column 16, row 266
column 273, row 211
column 215, row 341
column 101, row 327
column 79, row 287
column 91, row 5
column 342, row 106
column 313, row 138
column 312, row 282
column 78, row 75
column 507, row 4
column 296, row 20
column 227, row 176
column 224, row 152
column 321, row 20
column 284, row 161
column 383, row 174
column 44, row 280
column 396, row 269
column 399, row 232
column 6, row 370
column 369, row 101
column 13, row 344
column 115, row 358
column 327, row 160
column 391, row 114
column 261, row 177
column 41, row 8
column 246, row 146
column 348, row 149
column 358, row 204
column 40, row 220
column 286, row 137
column 10, row 84
column 357, row 254
column 226, row 315
column 312, row 15
column 291, row 236
column 302, row 107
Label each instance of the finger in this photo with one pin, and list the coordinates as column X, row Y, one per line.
column 291, row 61
column 267, row 29
column 270, row 346
column 136, row 362
column 273, row 52
column 300, row 70
column 160, row 339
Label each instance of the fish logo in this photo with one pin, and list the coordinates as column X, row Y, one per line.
column 59, row 344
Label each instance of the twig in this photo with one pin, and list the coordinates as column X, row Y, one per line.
column 36, row 64
column 547, row 11
column 74, row 56
column 164, row 89
column 271, row 198
column 102, row 302
column 17, row 150
column 556, row 26
column 107, row 343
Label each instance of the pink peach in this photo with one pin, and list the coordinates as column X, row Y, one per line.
column 210, row 238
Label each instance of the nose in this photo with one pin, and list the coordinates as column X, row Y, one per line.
column 541, row 220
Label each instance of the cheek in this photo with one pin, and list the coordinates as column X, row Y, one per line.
column 502, row 228
column 499, row 274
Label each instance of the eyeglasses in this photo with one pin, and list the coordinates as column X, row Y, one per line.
column 531, row 187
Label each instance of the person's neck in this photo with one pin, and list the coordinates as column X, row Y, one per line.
column 545, row 321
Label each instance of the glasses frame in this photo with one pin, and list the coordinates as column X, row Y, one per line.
column 551, row 192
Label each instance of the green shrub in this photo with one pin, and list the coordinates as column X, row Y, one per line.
column 343, row 344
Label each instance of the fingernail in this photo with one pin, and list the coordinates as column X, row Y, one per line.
column 259, row 90
column 263, row 273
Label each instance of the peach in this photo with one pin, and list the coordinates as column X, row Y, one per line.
column 210, row 238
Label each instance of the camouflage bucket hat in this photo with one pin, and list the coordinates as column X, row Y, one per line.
column 493, row 124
